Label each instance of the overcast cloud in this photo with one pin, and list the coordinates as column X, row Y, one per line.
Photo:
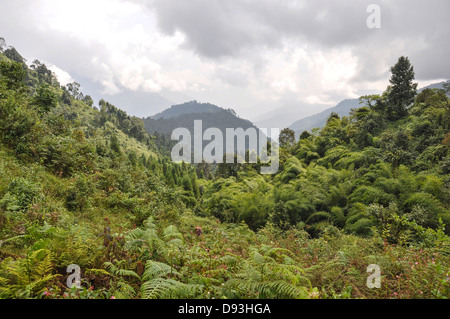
column 251, row 55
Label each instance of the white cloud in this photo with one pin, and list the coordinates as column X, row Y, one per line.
column 126, row 46
column 62, row 76
column 248, row 55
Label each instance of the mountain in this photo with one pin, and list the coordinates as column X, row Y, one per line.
column 184, row 115
column 343, row 109
column 319, row 120
column 282, row 112
column 435, row 86
column 192, row 107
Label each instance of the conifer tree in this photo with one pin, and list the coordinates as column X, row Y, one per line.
column 402, row 90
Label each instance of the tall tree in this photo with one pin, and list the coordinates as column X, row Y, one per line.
column 88, row 100
column 402, row 90
column 43, row 73
column 74, row 90
column 287, row 138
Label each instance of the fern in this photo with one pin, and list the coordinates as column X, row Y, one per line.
column 145, row 239
column 117, row 271
column 160, row 288
column 26, row 277
column 265, row 290
column 171, row 232
column 269, row 273
column 157, row 287
column 318, row 217
column 154, row 269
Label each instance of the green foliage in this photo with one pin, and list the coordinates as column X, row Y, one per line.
column 262, row 277
column 27, row 277
column 19, row 196
column 78, row 195
column 83, row 186
column 45, row 99
column 12, row 74
column 429, row 204
column 158, row 283
column 115, row 146
column 403, row 91
column 287, row 138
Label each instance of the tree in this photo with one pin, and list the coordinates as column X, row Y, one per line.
column 12, row 74
column 66, row 97
column 44, row 74
column 287, row 138
column 332, row 116
column 12, row 54
column 226, row 170
column 374, row 102
column 45, row 99
column 403, row 90
column 446, row 87
column 205, row 169
column 305, row 135
column 2, row 44
column 74, row 90
column 88, row 100
column 115, row 145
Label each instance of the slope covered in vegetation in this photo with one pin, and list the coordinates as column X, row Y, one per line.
column 90, row 187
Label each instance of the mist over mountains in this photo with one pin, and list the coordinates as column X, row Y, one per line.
column 343, row 108
column 318, row 120
column 184, row 115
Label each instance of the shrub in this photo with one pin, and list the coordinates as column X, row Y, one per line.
column 20, row 194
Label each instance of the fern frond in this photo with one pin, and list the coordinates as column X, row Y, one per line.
column 266, row 290
column 96, row 271
column 175, row 242
column 26, row 277
column 229, row 260
column 115, row 270
column 171, row 232
column 160, row 288
column 154, row 269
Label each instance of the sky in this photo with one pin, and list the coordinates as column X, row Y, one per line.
column 272, row 61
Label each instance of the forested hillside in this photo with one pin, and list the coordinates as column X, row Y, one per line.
column 183, row 115
column 188, row 108
column 319, row 120
column 87, row 186
column 343, row 108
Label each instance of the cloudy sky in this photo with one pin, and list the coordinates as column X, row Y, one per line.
column 273, row 61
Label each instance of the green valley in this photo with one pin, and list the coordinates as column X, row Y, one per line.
column 96, row 188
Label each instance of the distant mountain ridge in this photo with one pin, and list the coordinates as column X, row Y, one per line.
column 192, row 107
column 184, row 115
column 318, row 120
column 343, row 108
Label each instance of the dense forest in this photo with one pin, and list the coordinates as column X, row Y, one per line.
column 90, row 186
